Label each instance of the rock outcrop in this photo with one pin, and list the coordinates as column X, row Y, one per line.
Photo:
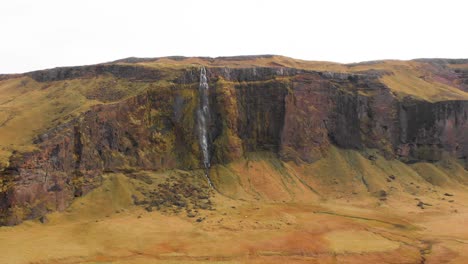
column 295, row 113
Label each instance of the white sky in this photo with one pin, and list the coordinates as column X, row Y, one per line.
column 48, row 33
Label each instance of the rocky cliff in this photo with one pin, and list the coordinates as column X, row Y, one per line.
column 293, row 109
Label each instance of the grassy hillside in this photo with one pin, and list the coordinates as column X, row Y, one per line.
column 29, row 108
column 341, row 174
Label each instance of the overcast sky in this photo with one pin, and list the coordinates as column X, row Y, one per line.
column 49, row 33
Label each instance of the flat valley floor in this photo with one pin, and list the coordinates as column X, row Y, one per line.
column 105, row 227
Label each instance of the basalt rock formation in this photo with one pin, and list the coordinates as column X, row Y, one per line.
column 295, row 109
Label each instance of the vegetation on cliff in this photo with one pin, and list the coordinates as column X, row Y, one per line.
column 62, row 129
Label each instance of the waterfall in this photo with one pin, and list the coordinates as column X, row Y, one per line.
column 203, row 115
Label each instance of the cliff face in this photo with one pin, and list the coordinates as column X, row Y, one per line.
column 430, row 130
column 295, row 113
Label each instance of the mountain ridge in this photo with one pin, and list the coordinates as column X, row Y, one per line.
column 244, row 58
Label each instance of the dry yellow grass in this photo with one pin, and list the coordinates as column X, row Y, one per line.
column 28, row 108
column 353, row 241
column 406, row 82
column 273, row 61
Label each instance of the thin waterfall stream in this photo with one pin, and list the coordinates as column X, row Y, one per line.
column 203, row 115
